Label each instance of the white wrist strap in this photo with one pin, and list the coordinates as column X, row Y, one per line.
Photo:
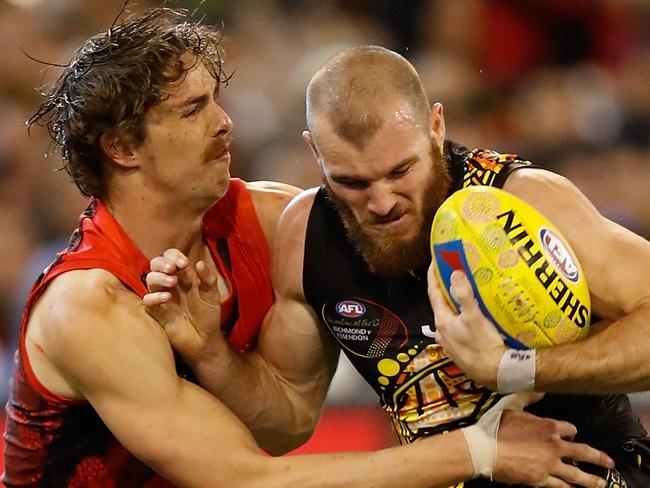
column 481, row 437
column 516, row 371
column 482, row 450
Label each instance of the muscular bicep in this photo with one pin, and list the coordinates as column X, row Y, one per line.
column 119, row 360
column 615, row 261
column 292, row 339
column 620, row 284
column 303, row 354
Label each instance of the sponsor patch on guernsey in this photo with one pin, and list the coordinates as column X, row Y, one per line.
column 559, row 255
column 350, row 309
column 364, row 328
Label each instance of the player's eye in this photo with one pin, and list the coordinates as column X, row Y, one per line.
column 402, row 170
column 191, row 112
column 353, row 184
column 195, row 107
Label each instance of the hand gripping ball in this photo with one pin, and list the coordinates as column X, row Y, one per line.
column 525, row 276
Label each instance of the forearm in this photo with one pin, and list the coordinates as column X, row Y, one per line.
column 219, row 450
column 615, row 360
column 279, row 417
column 234, row 461
column 439, row 461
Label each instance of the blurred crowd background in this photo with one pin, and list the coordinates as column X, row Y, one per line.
column 563, row 83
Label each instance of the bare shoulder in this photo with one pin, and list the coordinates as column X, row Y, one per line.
column 271, row 196
column 294, row 218
column 83, row 317
column 273, row 187
column 536, row 183
column 75, row 295
column 558, row 199
column 269, row 199
column 555, row 196
column 289, row 245
column 78, row 308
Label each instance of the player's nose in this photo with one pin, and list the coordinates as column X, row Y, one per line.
column 222, row 121
column 381, row 199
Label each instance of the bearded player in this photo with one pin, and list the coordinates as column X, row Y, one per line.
column 351, row 264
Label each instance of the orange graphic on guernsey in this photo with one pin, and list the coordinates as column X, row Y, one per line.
column 433, row 391
column 490, row 164
column 482, row 171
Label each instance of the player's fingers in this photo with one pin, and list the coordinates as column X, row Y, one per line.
column 565, row 430
column 441, row 339
column 585, row 453
column 157, row 281
column 441, row 308
column 572, row 475
column 162, row 265
column 552, row 482
column 156, row 299
column 207, row 276
column 177, row 257
column 462, row 291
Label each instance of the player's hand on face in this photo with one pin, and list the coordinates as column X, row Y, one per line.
column 469, row 338
column 185, row 300
column 540, row 452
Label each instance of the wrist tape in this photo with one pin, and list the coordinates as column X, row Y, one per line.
column 482, row 450
column 516, row 371
column 481, row 438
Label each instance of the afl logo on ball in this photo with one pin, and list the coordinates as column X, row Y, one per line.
column 559, row 255
column 350, row 309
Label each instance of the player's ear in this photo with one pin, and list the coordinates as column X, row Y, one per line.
column 118, row 150
column 309, row 140
column 437, row 124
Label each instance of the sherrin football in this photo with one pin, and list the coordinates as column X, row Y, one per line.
column 525, row 276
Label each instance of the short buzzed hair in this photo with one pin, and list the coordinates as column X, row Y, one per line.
column 353, row 87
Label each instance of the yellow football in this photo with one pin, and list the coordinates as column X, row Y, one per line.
column 526, row 278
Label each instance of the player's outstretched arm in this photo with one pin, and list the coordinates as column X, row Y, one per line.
column 277, row 390
column 89, row 338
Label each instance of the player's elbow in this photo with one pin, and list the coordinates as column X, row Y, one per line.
column 298, row 431
column 279, row 443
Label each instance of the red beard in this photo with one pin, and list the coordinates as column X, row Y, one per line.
column 392, row 255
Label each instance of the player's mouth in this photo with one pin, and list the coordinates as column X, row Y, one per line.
column 219, row 152
column 224, row 154
column 392, row 224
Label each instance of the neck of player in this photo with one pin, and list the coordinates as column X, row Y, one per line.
column 157, row 222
